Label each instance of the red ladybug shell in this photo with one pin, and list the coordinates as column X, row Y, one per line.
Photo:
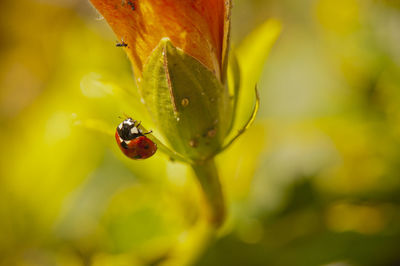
column 138, row 148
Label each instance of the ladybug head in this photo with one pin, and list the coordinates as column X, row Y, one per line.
column 127, row 130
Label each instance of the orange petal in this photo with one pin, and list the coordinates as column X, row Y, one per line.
column 196, row 26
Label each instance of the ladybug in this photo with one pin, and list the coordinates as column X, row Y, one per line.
column 133, row 142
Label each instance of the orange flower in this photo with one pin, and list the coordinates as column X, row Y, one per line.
column 199, row 27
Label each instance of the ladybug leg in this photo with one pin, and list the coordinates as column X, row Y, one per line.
column 124, row 145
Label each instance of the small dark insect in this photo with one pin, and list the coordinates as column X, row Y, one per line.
column 122, row 44
column 132, row 5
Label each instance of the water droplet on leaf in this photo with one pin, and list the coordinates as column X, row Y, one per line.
column 185, row 102
column 211, row 133
column 193, row 143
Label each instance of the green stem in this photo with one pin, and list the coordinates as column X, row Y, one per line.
column 207, row 174
column 199, row 236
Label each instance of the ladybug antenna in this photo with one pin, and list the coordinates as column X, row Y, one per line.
column 151, row 131
column 125, row 116
column 139, row 124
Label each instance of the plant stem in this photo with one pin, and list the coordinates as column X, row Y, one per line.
column 207, row 174
column 199, row 236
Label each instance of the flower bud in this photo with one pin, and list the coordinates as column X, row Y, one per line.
column 178, row 50
column 198, row 27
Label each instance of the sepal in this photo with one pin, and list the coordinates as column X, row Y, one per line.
column 187, row 102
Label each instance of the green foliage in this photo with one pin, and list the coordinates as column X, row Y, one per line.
column 249, row 59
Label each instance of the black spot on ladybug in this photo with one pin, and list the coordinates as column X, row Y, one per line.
column 138, row 156
column 147, row 146
column 124, row 145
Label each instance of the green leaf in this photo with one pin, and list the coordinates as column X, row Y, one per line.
column 188, row 103
column 252, row 54
column 246, row 125
column 234, row 84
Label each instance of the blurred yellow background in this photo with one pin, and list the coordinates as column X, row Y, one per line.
column 316, row 180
